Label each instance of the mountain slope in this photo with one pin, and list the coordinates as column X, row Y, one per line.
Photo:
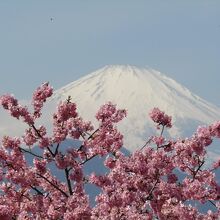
column 139, row 90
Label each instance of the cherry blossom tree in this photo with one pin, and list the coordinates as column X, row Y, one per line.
column 142, row 185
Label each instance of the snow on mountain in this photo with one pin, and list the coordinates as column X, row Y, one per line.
column 139, row 90
column 136, row 89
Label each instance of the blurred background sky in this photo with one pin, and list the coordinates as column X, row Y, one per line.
column 61, row 41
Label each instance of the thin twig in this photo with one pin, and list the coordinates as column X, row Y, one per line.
column 91, row 136
column 162, row 130
column 57, row 147
column 197, row 170
column 58, row 144
column 212, row 203
column 37, row 131
column 55, row 186
column 88, row 159
column 37, row 190
column 40, row 136
column 151, row 191
column 149, row 140
column 27, row 151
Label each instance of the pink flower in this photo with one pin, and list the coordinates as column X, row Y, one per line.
column 158, row 140
column 61, row 162
column 8, row 101
column 172, row 178
column 215, row 129
column 141, row 185
column 5, row 213
column 30, row 137
column 108, row 112
column 160, row 117
column 9, row 142
column 39, row 97
column 44, row 142
column 204, row 135
column 216, row 164
column 77, row 174
column 40, row 165
column 110, row 162
column 11, row 104
column 65, row 111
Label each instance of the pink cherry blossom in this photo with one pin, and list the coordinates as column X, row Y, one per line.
column 215, row 129
column 9, row 103
column 160, row 117
column 143, row 185
column 39, row 97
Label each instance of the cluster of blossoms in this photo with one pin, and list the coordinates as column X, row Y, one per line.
column 39, row 97
column 11, row 104
column 160, row 118
column 159, row 181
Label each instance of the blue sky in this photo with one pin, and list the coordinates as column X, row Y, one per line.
column 178, row 38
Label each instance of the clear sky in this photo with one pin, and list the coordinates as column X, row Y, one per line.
column 61, row 40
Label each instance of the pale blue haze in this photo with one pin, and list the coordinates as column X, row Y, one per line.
column 179, row 38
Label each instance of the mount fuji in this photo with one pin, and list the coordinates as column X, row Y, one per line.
column 138, row 90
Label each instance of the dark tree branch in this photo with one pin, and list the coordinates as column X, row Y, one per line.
column 88, row 159
column 149, row 197
column 40, row 136
column 149, row 140
column 37, row 190
column 198, row 169
column 68, row 181
column 29, row 152
column 212, row 203
column 162, row 130
column 55, row 186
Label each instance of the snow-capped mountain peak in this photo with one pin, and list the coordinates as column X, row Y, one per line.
column 139, row 90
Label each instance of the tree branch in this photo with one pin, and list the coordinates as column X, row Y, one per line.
column 37, row 190
column 29, row 152
column 40, row 136
column 88, row 159
column 198, row 169
column 149, row 197
column 149, row 140
column 68, row 181
column 162, row 130
column 55, row 186
column 212, row 203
